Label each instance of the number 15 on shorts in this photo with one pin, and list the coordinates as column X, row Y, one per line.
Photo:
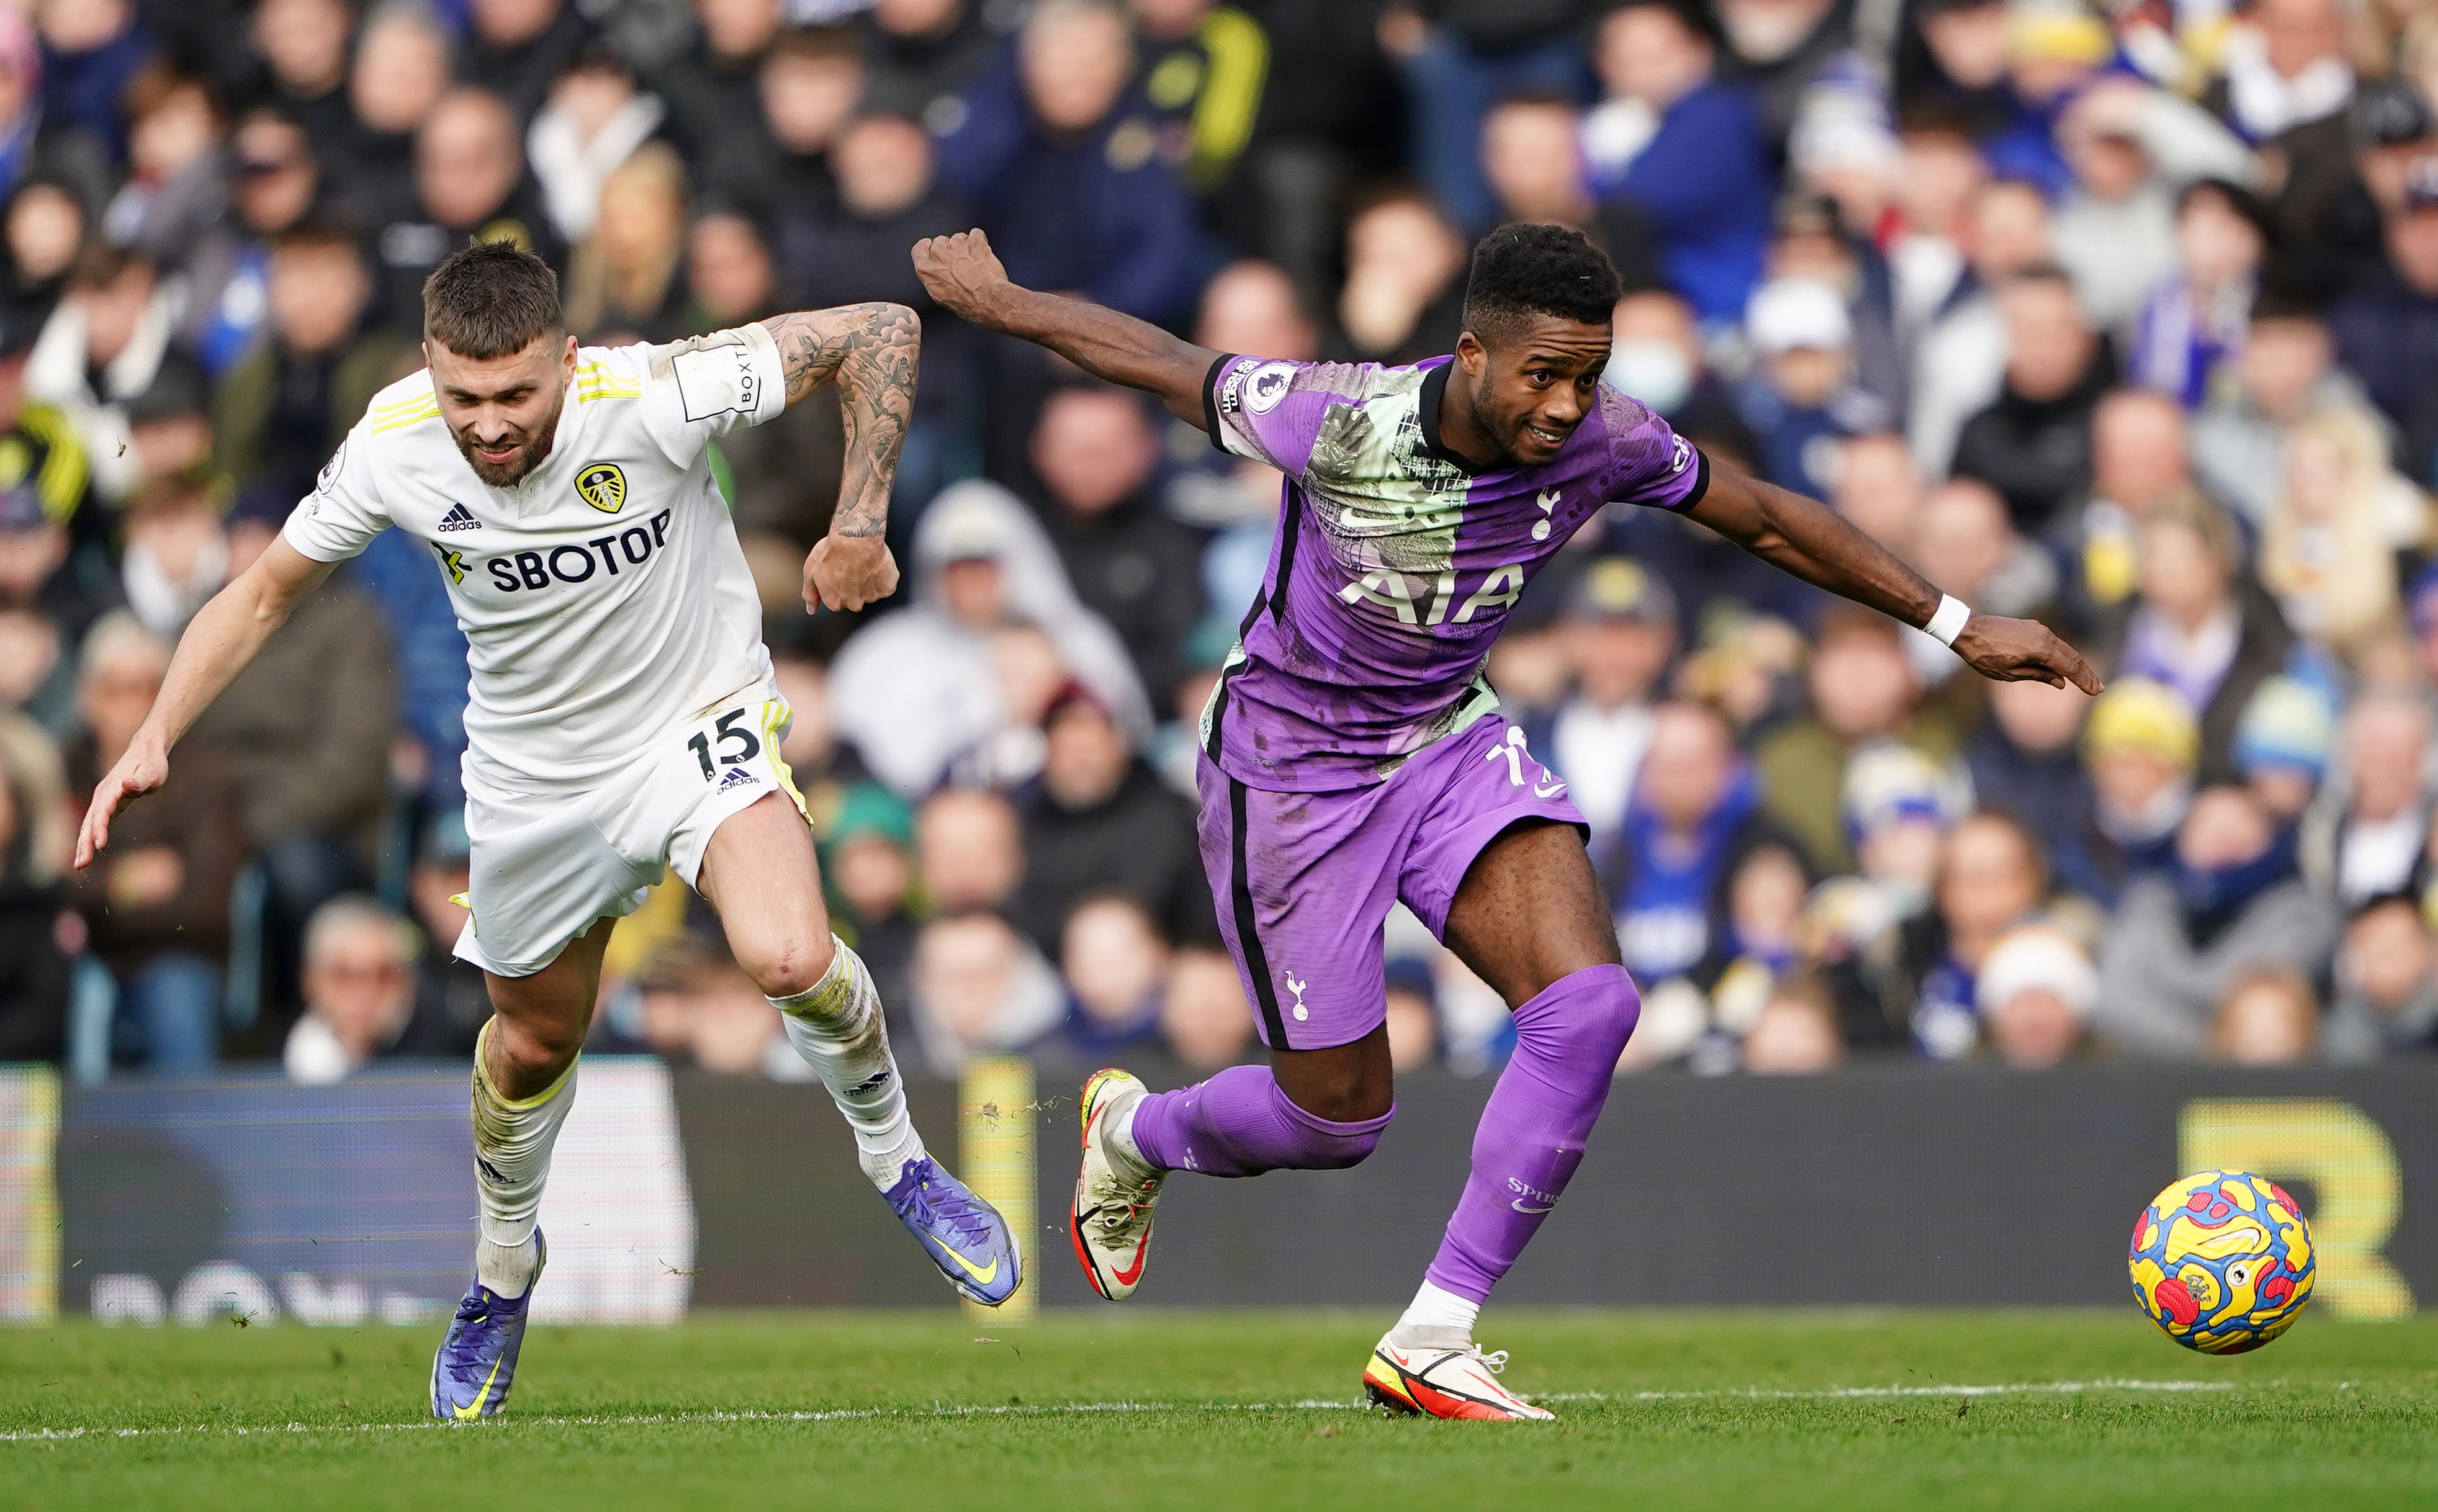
column 731, row 736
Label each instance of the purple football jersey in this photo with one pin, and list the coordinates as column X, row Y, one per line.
column 1394, row 566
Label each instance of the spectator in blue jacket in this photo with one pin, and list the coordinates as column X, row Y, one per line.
column 1062, row 164
column 1704, row 178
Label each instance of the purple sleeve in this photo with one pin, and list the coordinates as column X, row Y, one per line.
column 1649, row 462
column 1270, row 410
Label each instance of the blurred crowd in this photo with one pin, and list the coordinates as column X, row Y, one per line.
column 2120, row 316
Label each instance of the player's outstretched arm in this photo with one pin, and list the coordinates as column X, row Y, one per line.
column 223, row 637
column 874, row 353
column 1818, row 545
column 966, row 277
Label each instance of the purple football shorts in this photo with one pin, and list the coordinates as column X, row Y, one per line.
column 1304, row 881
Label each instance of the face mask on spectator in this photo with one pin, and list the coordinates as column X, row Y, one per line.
column 1658, row 373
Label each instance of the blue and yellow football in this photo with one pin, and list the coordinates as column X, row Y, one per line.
column 2222, row 1262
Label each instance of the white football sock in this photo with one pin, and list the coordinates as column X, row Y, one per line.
column 838, row 1030
column 1433, row 1310
column 512, row 1145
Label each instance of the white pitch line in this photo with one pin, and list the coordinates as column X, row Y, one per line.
column 54, row 1435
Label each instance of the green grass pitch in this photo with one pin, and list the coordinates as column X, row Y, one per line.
column 1158, row 1409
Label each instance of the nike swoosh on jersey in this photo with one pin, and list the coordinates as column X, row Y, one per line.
column 1518, row 1205
column 1551, row 791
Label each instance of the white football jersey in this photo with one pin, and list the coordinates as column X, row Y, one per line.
column 604, row 598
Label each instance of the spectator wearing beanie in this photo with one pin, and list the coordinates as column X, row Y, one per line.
column 2284, row 744
column 2142, row 747
column 2035, row 994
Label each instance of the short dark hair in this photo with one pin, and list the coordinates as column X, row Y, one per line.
column 490, row 299
column 1525, row 270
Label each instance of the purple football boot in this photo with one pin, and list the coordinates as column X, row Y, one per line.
column 964, row 1235
column 477, row 1363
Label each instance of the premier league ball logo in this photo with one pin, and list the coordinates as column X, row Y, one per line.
column 2222, row 1262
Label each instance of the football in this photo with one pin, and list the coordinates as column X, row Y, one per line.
column 2222, row 1262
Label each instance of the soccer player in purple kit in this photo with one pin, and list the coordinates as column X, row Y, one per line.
column 1353, row 756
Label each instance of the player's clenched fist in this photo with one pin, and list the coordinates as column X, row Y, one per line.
column 848, row 571
column 137, row 773
column 962, row 273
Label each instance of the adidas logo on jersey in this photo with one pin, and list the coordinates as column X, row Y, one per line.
column 459, row 517
column 738, row 777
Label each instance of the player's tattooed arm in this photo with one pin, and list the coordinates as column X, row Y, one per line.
column 1820, row 546
column 967, row 278
column 872, row 352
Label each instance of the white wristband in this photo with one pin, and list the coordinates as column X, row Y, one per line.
column 1949, row 621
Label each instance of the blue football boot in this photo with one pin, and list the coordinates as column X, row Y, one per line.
column 964, row 1235
column 477, row 1363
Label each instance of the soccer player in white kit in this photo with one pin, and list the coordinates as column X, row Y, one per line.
column 623, row 716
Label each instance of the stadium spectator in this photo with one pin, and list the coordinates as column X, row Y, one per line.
column 2197, row 627
column 2284, row 743
column 1064, row 169
column 469, row 183
column 2231, row 900
column 176, row 184
column 304, row 48
column 868, row 855
column 1531, row 154
column 1101, row 820
column 1204, row 65
column 712, row 89
column 1457, row 59
column 45, row 232
column 2386, row 325
column 1702, row 176
column 90, row 53
column 969, row 849
column 2027, row 763
column 517, row 50
column 37, row 937
column 979, row 986
column 2142, row 747
column 2285, row 371
column 100, row 348
column 358, row 988
column 275, row 182
column 308, row 726
column 1959, row 356
column 2332, row 549
column 156, row 910
column 2190, row 331
column 2367, row 837
column 400, row 71
column 282, row 410
column 1862, row 688
column 452, row 999
column 2035, row 991
column 1404, row 292
column 595, row 119
column 917, row 54
column 2386, row 1001
column 1794, row 1033
column 1097, row 456
column 1621, row 633
column 2141, row 459
column 1693, row 816
column 626, row 283
column 2132, row 148
column 1801, row 399
column 1204, row 1019
column 1114, row 962
column 2033, row 443
column 919, row 688
column 2268, row 1017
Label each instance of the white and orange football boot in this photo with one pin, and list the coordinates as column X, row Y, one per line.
column 1115, row 1192
column 1444, row 1380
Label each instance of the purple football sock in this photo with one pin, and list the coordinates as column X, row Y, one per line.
column 1531, row 1134
column 1240, row 1124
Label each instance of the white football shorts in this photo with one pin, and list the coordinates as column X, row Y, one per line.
column 546, row 863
